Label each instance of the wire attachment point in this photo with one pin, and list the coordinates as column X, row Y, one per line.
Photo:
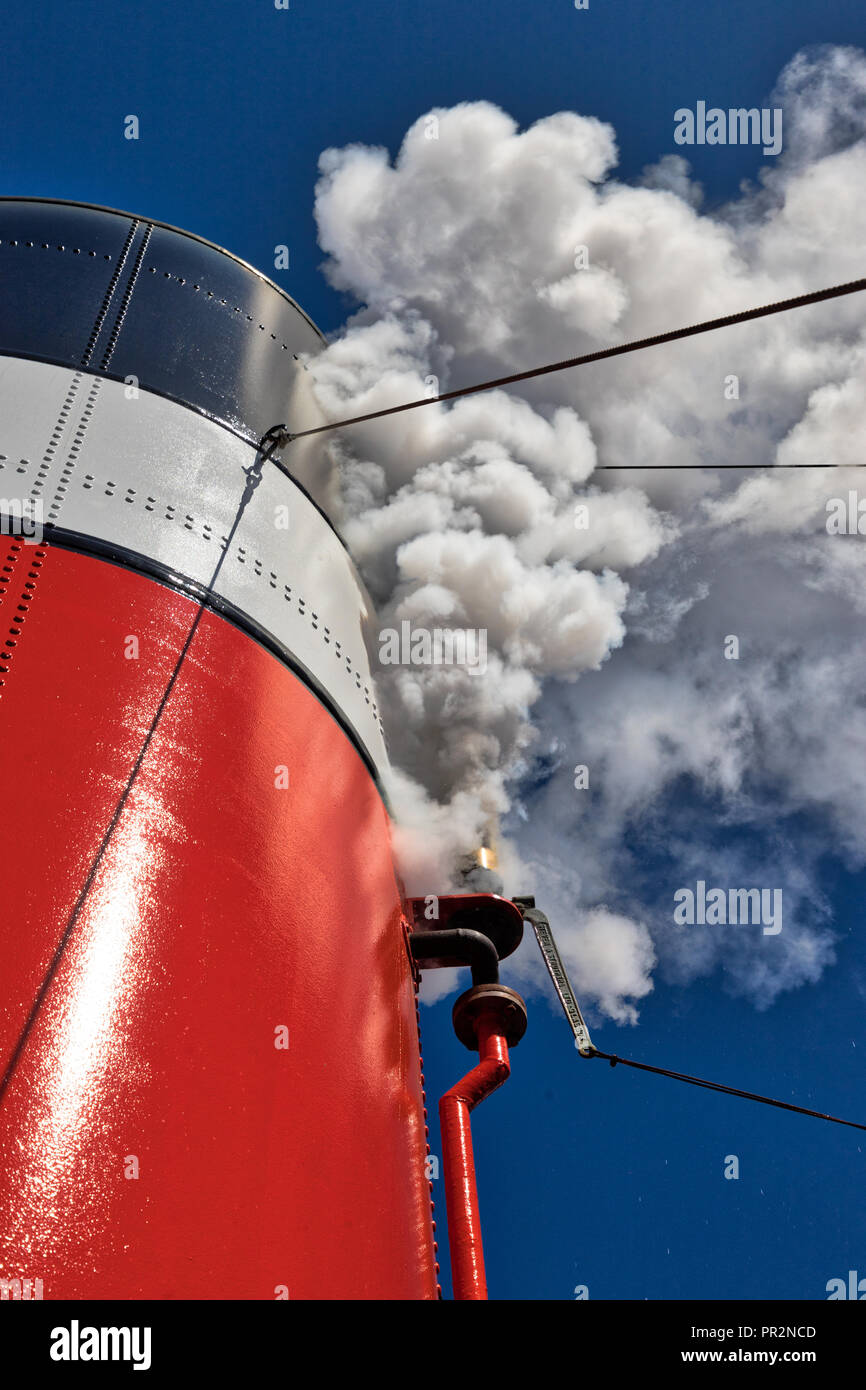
column 277, row 437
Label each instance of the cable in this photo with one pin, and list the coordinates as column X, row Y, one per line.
column 797, row 302
column 268, row 444
column 717, row 1086
column 586, row 1047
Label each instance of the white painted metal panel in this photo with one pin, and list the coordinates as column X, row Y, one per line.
column 158, row 479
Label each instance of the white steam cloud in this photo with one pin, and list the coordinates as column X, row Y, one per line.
column 483, row 250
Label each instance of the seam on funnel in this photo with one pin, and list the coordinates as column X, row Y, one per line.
column 255, row 565
column 109, row 294
column 177, row 231
column 22, row 609
column 127, row 296
column 72, row 457
column 196, row 286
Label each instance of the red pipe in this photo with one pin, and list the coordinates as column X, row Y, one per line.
column 461, row 1193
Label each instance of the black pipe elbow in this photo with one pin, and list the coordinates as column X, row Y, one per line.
column 461, row 945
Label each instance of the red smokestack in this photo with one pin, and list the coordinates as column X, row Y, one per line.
column 211, row 1079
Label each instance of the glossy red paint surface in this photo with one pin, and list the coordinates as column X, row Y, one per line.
column 458, row 1160
column 225, row 908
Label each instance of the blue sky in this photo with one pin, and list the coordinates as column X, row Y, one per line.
column 587, row 1176
column 237, row 100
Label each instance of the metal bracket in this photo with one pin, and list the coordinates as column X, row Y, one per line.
column 561, row 983
column 495, row 917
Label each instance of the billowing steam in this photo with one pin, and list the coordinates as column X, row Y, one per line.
column 607, row 597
